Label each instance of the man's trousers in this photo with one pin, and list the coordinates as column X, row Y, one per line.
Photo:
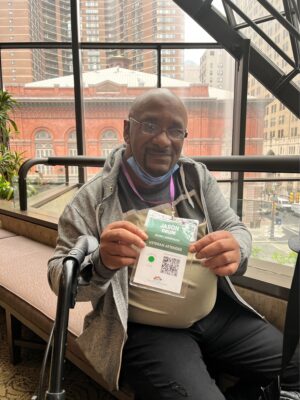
column 176, row 364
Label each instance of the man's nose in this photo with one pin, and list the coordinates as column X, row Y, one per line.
column 162, row 138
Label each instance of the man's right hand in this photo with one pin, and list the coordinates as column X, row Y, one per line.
column 116, row 244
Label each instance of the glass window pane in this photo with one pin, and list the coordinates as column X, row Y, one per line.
column 144, row 60
column 30, row 65
column 207, row 91
column 273, row 217
column 35, row 21
column 276, row 131
column 109, row 93
column 268, row 51
column 44, row 114
column 253, row 9
column 138, row 21
column 296, row 81
column 273, row 29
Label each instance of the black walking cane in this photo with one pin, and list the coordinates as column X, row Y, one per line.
column 66, row 299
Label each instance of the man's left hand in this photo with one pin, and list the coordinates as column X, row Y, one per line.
column 218, row 251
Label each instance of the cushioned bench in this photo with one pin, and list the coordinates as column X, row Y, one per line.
column 27, row 299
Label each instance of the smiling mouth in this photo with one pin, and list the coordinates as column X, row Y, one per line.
column 158, row 154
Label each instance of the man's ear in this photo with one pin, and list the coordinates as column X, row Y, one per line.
column 126, row 131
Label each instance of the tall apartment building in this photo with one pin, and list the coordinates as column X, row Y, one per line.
column 217, row 69
column 34, row 21
column 104, row 21
column 133, row 21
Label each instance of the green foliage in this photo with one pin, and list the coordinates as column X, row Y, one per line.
column 8, row 126
column 285, row 259
column 31, row 190
column 6, row 189
column 10, row 161
column 255, row 251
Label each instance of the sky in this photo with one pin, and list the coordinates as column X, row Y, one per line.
column 194, row 33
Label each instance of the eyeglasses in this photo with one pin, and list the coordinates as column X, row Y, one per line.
column 150, row 128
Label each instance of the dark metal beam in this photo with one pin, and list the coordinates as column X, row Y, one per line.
column 78, row 84
column 284, row 22
column 240, row 101
column 110, row 45
column 264, row 70
column 261, row 33
column 239, row 125
column 257, row 21
column 158, row 55
column 284, row 164
column 292, row 17
column 229, row 14
column 35, row 45
column 1, row 76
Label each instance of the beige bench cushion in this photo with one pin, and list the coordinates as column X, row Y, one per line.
column 23, row 271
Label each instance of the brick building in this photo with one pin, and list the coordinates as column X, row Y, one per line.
column 46, row 118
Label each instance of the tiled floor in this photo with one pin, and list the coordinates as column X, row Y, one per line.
column 19, row 382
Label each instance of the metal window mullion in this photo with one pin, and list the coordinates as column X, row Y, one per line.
column 35, row 45
column 78, row 85
column 1, row 88
column 256, row 21
column 239, row 125
column 110, row 45
column 296, row 8
column 158, row 52
column 150, row 45
column 261, row 33
column 292, row 18
column 1, row 76
column 229, row 14
column 287, row 25
column 285, row 79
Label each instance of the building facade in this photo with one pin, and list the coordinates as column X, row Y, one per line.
column 46, row 119
column 106, row 21
column 217, row 69
column 35, row 21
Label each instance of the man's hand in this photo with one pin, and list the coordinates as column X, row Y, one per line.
column 116, row 244
column 219, row 251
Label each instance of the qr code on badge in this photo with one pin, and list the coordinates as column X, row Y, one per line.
column 170, row 265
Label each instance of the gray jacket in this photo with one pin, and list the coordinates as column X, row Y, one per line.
column 96, row 205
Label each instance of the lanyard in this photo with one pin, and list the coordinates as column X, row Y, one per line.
column 133, row 187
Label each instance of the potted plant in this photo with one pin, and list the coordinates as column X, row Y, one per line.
column 10, row 161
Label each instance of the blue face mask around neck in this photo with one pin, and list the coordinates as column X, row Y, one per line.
column 147, row 178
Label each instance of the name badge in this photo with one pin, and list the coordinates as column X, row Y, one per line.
column 162, row 262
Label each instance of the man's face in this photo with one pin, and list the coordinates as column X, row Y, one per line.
column 156, row 154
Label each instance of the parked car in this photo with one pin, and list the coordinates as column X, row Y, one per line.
column 296, row 209
column 283, row 204
column 265, row 208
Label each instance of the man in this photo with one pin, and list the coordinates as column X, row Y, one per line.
column 169, row 345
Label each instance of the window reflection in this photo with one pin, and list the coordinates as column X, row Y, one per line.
column 72, row 151
column 43, row 149
column 108, row 141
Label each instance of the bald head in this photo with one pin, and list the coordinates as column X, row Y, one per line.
column 157, row 96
